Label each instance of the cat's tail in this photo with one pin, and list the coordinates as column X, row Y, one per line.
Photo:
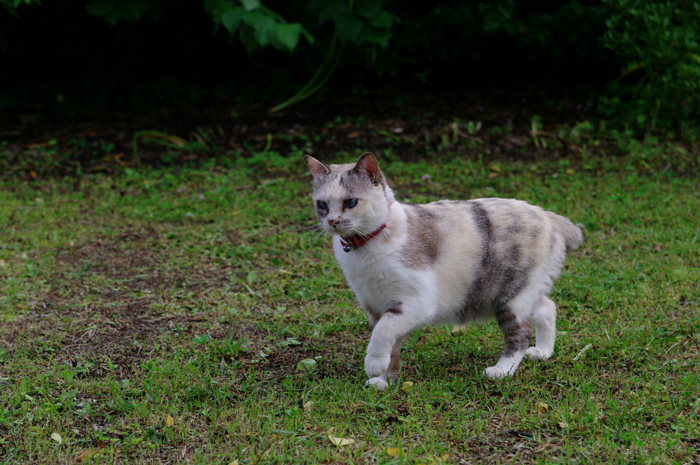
column 571, row 233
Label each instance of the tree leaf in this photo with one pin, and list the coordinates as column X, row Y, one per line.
column 288, row 34
column 376, row 35
column 263, row 25
column 332, row 11
column 250, row 5
column 370, row 10
column 349, row 27
column 340, row 441
column 169, row 421
column 86, row 455
column 307, row 365
column 57, row 437
column 231, row 19
column 382, row 20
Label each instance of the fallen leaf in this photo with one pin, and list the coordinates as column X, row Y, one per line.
column 397, row 130
column 57, row 437
column 393, row 451
column 570, row 171
column 235, row 462
column 406, row 386
column 169, row 421
column 86, row 455
column 542, row 407
column 353, row 134
column 493, row 175
column 656, row 248
column 495, row 168
column 340, row 441
column 563, row 425
column 308, row 405
column 307, row 365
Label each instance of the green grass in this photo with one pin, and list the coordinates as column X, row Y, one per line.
column 159, row 316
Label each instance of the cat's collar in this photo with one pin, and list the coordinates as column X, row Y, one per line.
column 358, row 240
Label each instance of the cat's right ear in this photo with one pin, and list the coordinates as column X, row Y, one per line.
column 317, row 168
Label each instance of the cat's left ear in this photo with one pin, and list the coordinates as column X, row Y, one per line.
column 367, row 165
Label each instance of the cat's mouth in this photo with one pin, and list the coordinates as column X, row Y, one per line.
column 340, row 231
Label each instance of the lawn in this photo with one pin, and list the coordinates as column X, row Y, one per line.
column 160, row 315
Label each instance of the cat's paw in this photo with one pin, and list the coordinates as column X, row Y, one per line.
column 495, row 373
column 377, row 383
column 538, row 354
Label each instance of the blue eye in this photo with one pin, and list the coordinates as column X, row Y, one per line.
column 322, row 205
column 350, row 203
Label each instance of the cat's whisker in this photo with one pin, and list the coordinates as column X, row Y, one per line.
column 320, row 234
column 313, row 227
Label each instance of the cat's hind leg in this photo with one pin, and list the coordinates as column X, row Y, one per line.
column 395, row 362
column 514, row 320
column 545, row 320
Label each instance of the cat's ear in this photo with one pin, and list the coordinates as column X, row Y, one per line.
column 368, row 166
column 317, row 168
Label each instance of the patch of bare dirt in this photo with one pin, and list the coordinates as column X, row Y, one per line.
column 114, row 298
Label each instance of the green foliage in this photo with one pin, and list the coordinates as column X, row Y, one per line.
column 659, row 45
column 12, row 5
column 114, row 12
column 359, row 22
column 256, row 25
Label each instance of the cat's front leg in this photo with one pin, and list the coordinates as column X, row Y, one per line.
column 383, row 350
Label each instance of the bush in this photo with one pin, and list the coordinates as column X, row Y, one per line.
column 659, row 46
column 148, row 53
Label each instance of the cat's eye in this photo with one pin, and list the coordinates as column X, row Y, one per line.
column 350, row 203
column 322, row 205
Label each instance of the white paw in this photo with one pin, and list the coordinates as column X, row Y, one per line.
column 494, row 373
column 378, row 383
column 537, row 354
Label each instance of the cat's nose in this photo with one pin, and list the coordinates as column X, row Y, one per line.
column 333, row 223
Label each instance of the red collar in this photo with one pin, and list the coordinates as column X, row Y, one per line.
column 358, row 240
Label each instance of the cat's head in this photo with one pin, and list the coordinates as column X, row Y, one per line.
column 350, row 199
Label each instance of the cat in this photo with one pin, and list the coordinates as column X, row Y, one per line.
column 445, row 262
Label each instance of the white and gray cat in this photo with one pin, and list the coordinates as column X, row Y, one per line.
column 446, row 262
